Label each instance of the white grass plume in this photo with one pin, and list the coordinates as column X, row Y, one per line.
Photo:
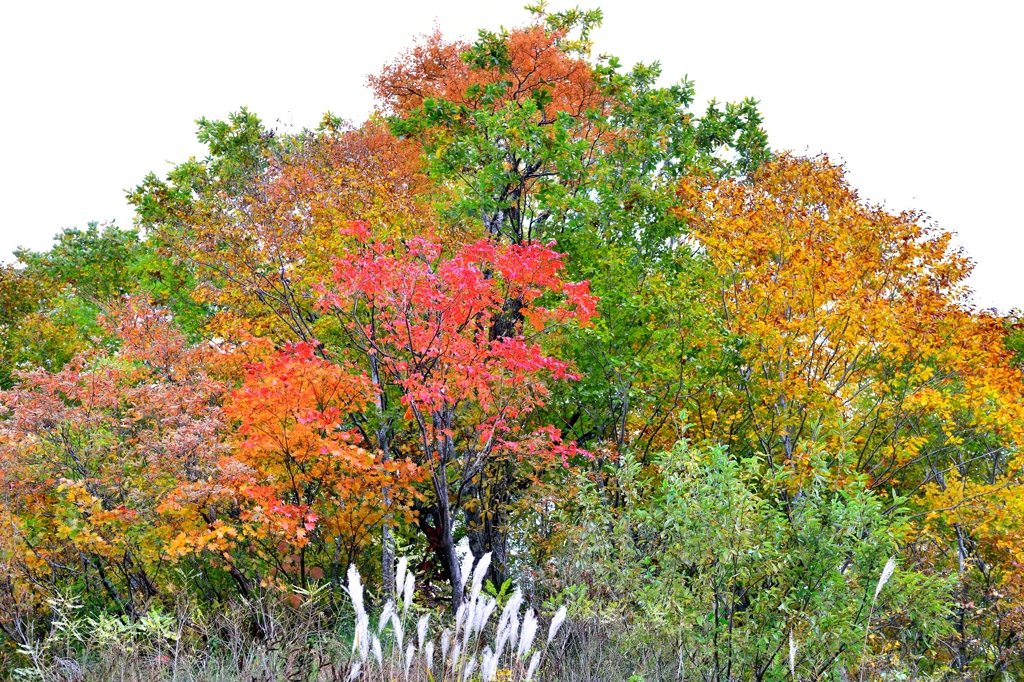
column 400, row 573
column 890, row 568
column 513, row 636
column 385, row 616
column 355, row 590
column 456, row 650
column 534, row 661
column 556, row 623
column 428, row 654
column 409, row 591
column 470, row 621
column 511, row 610
column 460, row 617
column 446, row 640
column 399, row 631
column 467, row 568
column 478, row 575
column 361, row 640
column 488, row 664
column 422, row 627
column 483, row 614
column 376, row 650
column 508, row 623
column 529, row 632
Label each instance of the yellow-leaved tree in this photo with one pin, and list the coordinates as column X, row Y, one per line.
column 852, row 341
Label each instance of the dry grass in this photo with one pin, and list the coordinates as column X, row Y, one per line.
column 273, row 639
column 270, row 639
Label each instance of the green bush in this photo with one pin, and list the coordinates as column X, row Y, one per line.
column 718, row 568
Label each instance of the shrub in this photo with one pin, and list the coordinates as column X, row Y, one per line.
column 715, row 567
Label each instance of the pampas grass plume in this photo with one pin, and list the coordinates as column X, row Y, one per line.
column 488, row 664
column 376, row 651
column 428, row 654
column 421, row 629
column 890, row 568
column 400, row 573
column 355, row 590
column 467, row 568
column 534, row 661
column 529, row 631
column 409, row 653
column 385, row 616
column 410, row 588
column 556, row 623
column 478, row 575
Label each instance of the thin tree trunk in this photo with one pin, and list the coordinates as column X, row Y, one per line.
column 387, row 539
column 443, row 426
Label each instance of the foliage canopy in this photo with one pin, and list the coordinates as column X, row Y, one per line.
column 538, row 309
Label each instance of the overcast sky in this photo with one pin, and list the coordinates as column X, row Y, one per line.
column 922, row 100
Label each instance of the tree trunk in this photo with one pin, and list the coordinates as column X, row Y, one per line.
column 486, row 529
column 446, row 536
column 387, row 540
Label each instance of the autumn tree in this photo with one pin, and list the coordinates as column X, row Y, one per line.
column 518, row 136
column 532, row 138
column 21, row 298
column 257, row 220
column 96, row 263
column 848, row 331
column 91, row 451
column 296, row 494
column 524, row 124
column 51, row 299
column 424, row 318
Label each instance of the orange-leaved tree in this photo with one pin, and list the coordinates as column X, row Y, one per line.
column 514, row 123
column 257, row 220
column 298, row 494
column 530, row 134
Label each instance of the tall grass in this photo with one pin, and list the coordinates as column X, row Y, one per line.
column 469, row 648
column 316, row 639
column 268, row 639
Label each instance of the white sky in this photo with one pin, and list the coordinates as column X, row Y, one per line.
column 921, row 99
